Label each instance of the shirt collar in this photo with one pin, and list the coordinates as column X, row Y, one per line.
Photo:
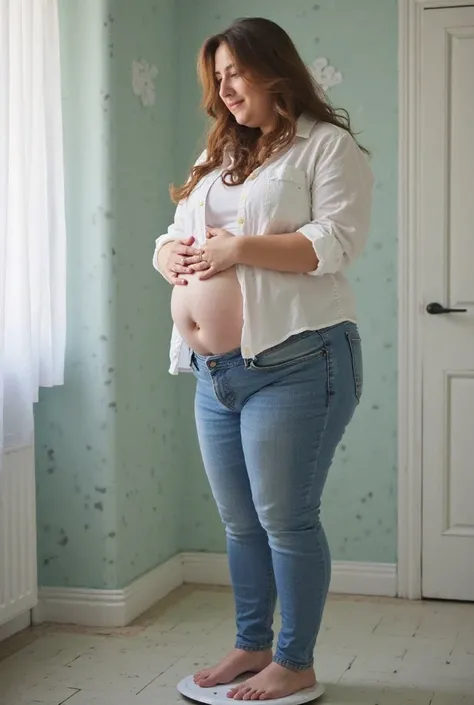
column 304, row 125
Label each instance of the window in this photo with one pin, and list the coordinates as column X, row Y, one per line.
column 32, row 217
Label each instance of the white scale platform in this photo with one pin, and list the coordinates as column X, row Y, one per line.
column 218, row 695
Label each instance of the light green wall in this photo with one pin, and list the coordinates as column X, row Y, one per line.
column 120, row 482
column 142, row 147
column 108, row 458
column 360, row 39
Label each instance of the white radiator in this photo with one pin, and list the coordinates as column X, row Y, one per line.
column 18, row 578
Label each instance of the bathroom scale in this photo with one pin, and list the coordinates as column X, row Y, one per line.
column 218, row 695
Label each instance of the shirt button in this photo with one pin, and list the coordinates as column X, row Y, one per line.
column 213, row 364
column 241, row 221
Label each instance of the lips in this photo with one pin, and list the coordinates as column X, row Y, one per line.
column 233, row 106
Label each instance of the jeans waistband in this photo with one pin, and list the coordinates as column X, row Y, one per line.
column 234, row 358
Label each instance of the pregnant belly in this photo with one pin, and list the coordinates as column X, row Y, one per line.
column 208, row 314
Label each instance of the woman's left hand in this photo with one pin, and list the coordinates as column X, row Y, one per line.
column 218, row 254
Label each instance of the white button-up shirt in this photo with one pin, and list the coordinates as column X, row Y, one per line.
column 321, row 186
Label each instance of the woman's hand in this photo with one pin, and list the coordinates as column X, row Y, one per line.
column 172, row 260
column 218, row 254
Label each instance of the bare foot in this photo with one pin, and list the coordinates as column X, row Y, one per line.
column 233, row 666
column 273, row 682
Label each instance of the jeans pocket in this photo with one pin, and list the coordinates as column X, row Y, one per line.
column 295, row 351
column 355, row 347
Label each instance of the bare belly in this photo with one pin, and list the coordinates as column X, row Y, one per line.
column 208, row 314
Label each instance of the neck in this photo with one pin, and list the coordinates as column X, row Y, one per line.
column 265, row 129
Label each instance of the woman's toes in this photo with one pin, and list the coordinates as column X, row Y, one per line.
column 256, row 695
column 241, row 692
column 236, row 689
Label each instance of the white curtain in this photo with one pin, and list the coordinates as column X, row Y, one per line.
column 32, row 214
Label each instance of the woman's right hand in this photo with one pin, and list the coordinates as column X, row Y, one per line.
column 171, row 260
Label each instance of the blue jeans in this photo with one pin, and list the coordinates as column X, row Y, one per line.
column 268, row 429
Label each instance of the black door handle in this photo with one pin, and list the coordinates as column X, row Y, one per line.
column 435, row 308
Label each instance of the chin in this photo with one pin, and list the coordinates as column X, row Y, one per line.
column 246, row 122
column 241, row 119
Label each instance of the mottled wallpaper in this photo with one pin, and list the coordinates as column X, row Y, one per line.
column 120, row 483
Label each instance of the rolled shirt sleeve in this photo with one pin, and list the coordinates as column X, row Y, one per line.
column 341, row 204
column 178, row 229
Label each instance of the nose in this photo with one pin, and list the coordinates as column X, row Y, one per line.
column 225, row 88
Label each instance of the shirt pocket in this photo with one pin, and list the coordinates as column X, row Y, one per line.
column 287, row 198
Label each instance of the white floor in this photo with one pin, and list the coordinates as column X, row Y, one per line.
column 370, row 652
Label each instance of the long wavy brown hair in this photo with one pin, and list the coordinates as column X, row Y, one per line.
column 265, row 55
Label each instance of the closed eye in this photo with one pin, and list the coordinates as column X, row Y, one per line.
column 231, row 75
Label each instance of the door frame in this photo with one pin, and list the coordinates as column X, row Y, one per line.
column 410, row 297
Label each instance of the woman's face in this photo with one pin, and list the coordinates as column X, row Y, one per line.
column 249, row 104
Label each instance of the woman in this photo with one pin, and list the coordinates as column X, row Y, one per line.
column 273, row 212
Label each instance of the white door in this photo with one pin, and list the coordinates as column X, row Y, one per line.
column 447, row 271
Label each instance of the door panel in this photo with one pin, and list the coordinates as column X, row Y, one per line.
column 447, row 272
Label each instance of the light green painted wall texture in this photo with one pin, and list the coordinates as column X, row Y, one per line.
column 121, row 486
column 360, row 40
column 142, row 149
column 108, row 459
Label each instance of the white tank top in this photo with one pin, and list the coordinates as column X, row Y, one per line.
column 222, row 205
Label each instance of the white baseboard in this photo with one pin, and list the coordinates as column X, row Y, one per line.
column 117, row 608
column 357, row 578
column 152, row 587
column 205, row 569
column 348, row 577
column 108, row 608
